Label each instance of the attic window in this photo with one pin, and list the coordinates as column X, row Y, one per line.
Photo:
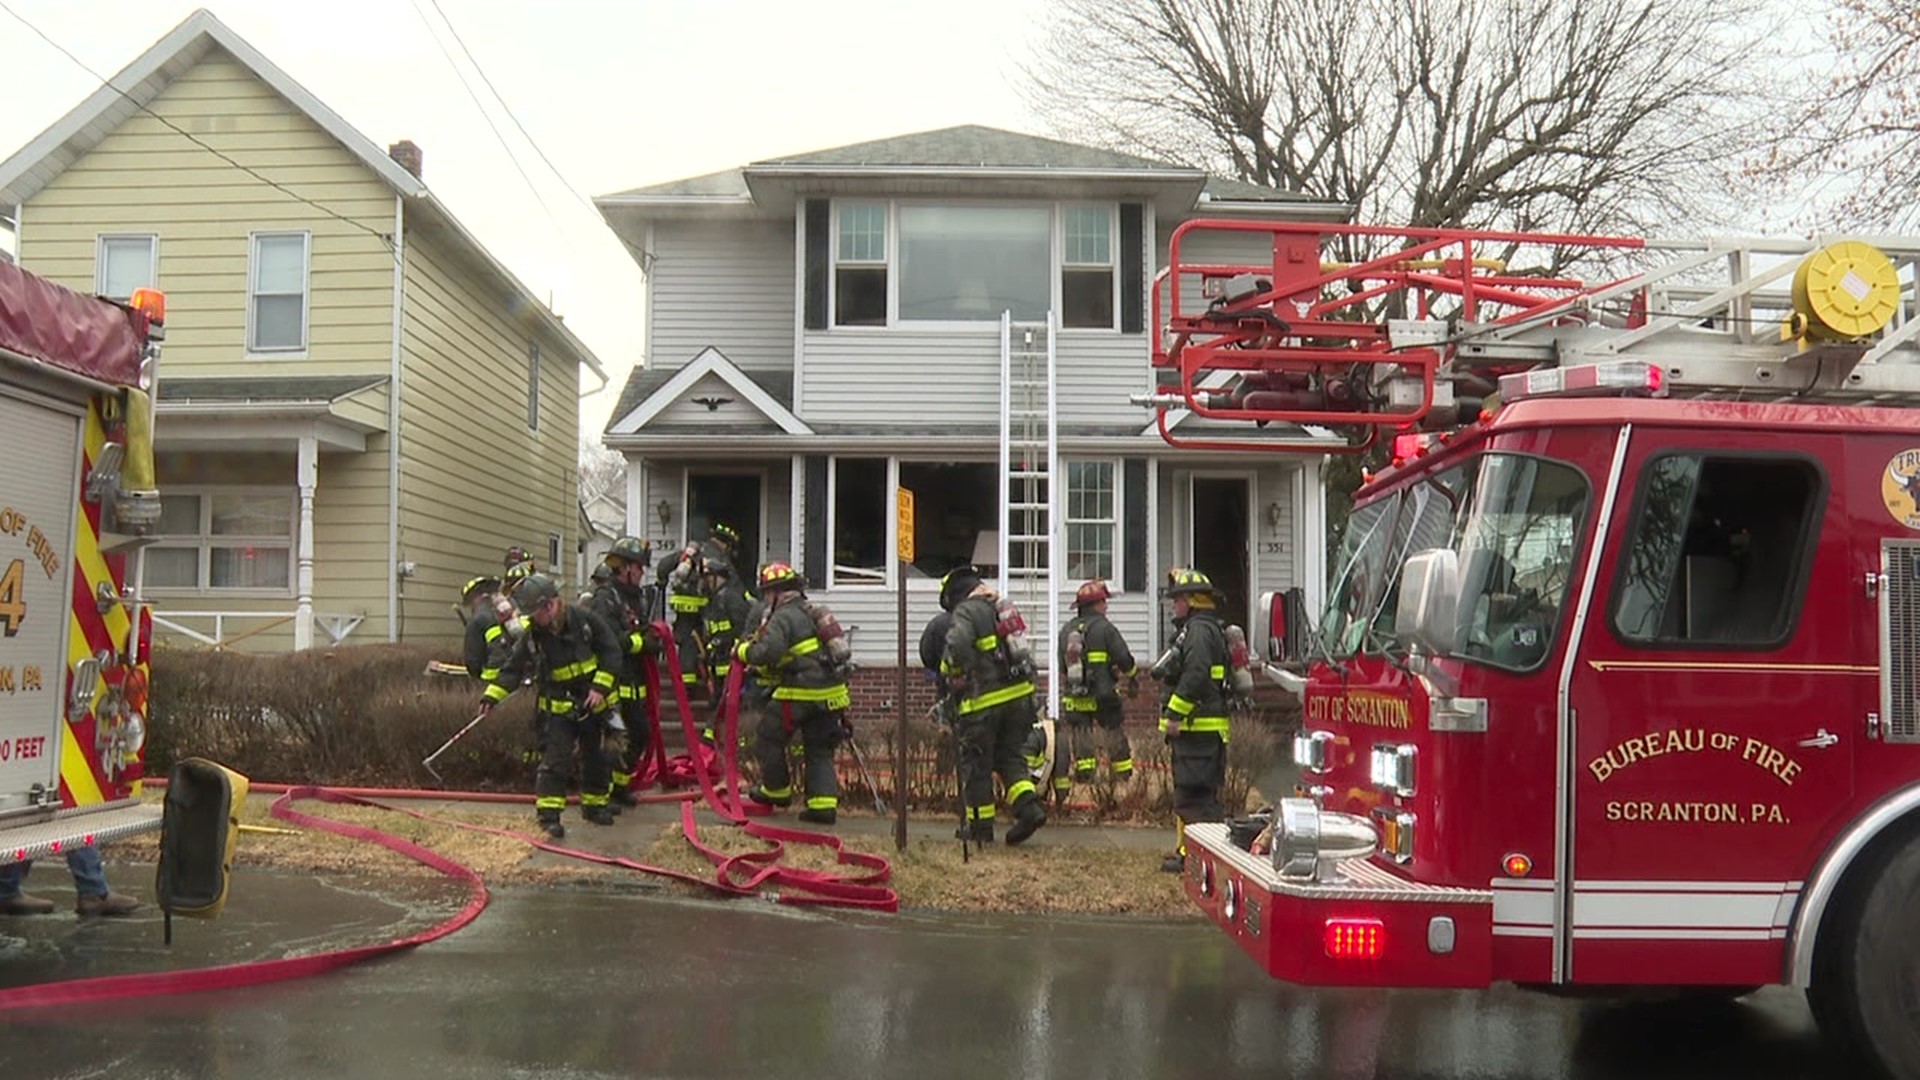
column 860, row 266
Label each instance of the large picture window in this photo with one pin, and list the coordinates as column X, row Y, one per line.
column 970, row 263
column 956, row 515
column 214, row 540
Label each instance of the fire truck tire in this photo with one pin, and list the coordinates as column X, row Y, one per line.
column 1881, row 973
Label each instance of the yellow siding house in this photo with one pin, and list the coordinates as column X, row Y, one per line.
column 359, row 408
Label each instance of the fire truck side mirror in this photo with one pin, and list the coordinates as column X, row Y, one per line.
column 1429, row 601
column 1281, row 631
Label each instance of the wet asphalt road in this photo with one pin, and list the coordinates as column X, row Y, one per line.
column 575, row 983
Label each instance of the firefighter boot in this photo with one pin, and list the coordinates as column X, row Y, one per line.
column 22, row 904
column 622, row 797
column 550, row 821
column 1174, row 863
column 824, row 816
column 111, row 905
column 979, row 832
column 598, row 815
column 760, row 795
column 1028, row 816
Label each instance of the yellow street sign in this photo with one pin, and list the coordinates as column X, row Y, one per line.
column 903, row 501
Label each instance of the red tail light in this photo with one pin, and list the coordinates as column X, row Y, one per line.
column 143, row 643
column 1356, row 939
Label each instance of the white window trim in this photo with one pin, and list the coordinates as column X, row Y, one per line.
column 204, row 541
column 1061, row 266
column 298, row 352
column 100, row 259
column 1119, row 522
column 888, row 578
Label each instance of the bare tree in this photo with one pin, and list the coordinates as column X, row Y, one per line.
column 602, row 471
column 1846, row 152
column 1553, row 115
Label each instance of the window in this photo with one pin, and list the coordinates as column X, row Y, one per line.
column 1719, row 550
column 860, row 505
column 956, row 515
column 860, row 266
column 233, row 539
column 123, row 264
column 970, row 263
column 1093, row 519
column 553, row 551
column 1086, row 268
column 1516, row 546
column 277, row 289
column 533, row 387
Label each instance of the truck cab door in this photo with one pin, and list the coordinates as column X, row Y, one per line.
column 1709, row 708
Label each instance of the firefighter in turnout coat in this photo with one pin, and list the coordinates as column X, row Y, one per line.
column 1193, row 705
column 485, row 641
column 809, row 697
column 994, row 714
column 621, row 603
column 1094, row 699
column 728, row 608
column 573, row 659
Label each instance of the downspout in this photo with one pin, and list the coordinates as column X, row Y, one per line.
column 393, row 420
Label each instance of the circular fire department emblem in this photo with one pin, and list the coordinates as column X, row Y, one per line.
column 1900, row 488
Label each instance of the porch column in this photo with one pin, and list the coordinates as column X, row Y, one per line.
column 307, row 474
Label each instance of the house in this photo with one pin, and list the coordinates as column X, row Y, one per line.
column 338, row 345
column 827, row 327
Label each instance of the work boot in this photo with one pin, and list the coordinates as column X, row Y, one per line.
column 759, row 794
column 818, row 817
column 598, row 815
column 1175, row 863
column 978, row 831
column 554, row 829
column 622, row 797
column 1028, row 817
column 112, row 905
column 22, row 904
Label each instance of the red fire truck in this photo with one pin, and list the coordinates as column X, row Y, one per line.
column 1617, row 684
column 76, row 494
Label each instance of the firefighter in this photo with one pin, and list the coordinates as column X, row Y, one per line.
column 725, row 620
column 1193, row 705
column 810, row 697
column 573, row 658
column 600, row 575
column 621, row 602
column 681, row 577
column 1093, row 659
column 518, row 559
column 484, row 647
column 986, row 670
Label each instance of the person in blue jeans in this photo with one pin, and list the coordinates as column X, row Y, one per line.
column 89, row 881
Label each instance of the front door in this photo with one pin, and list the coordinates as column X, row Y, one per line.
column 1219, row 544
column 1713, row 704
column 732, row 498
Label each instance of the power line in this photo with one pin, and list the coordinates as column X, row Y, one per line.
column 190, row 137
column 504, row 107
column 484, row 114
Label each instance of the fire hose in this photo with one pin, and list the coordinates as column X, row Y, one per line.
column 739, row 874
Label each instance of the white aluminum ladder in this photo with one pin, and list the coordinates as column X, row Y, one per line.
column 1031, row 545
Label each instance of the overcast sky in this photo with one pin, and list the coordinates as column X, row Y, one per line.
column 618, row 93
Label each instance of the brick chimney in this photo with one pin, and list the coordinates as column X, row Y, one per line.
column 407, row 155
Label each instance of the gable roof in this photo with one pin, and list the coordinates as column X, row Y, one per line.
column 40, row 161
column 649, row 393
column 973, row 146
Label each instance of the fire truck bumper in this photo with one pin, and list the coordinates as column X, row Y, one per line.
column 34, row 837
column 1357, row 924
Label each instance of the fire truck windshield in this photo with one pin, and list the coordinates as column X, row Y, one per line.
column 1513, row 520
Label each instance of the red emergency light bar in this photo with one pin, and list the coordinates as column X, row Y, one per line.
column 1356, row 939
column 1620, row 377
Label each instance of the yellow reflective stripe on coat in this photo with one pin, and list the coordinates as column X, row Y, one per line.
column 833, row 697
column 988, row 643
column 636, row 642
column 493, row 632
column 804, row 646
column 1098, row 656
column 715, row 626
column 574, row 670
column 1180, row 705
column 1196, row 725
column 603, row 679
column 685, row 603
column 996, row 697
column 489, row 674
column 495, row 693
column 1217, row 672
column 556, row 704
column 1079, row 704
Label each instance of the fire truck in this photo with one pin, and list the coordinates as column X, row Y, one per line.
column 1617, row 683
column 77, row 495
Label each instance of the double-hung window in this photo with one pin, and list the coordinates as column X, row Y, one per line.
column 123, row 264
column 860, row 265
column 214, row 539
column 277, row 292
column 1093, row 520
column 1086, row 267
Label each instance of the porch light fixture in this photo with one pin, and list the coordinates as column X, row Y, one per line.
column 664, row 511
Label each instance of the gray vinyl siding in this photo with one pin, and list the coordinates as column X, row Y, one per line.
column 902, row 376
column 1096, row 373
column 1239, row 249
column 728, row 284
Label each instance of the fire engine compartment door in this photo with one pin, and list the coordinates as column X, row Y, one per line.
column 40, row 460
column 1725, row 659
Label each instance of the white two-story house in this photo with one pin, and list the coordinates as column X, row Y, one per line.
column 824, row 328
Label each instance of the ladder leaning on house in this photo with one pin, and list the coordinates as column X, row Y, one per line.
column 1030, row 541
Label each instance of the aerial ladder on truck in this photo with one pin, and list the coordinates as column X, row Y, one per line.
column 1440, row 348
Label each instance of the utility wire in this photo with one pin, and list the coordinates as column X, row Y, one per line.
column 504, row 107
column 190, row 137
column 484, row 114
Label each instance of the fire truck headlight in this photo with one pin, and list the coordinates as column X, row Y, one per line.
column 1308, row 837
column 1390, row 767
column 1312, row 750
column 134, row 733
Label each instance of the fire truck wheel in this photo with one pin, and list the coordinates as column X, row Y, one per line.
column 1883, row 968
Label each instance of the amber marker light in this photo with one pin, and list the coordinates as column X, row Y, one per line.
column 1518, row 865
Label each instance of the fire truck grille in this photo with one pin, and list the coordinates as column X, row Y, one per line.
column 1900, row 664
